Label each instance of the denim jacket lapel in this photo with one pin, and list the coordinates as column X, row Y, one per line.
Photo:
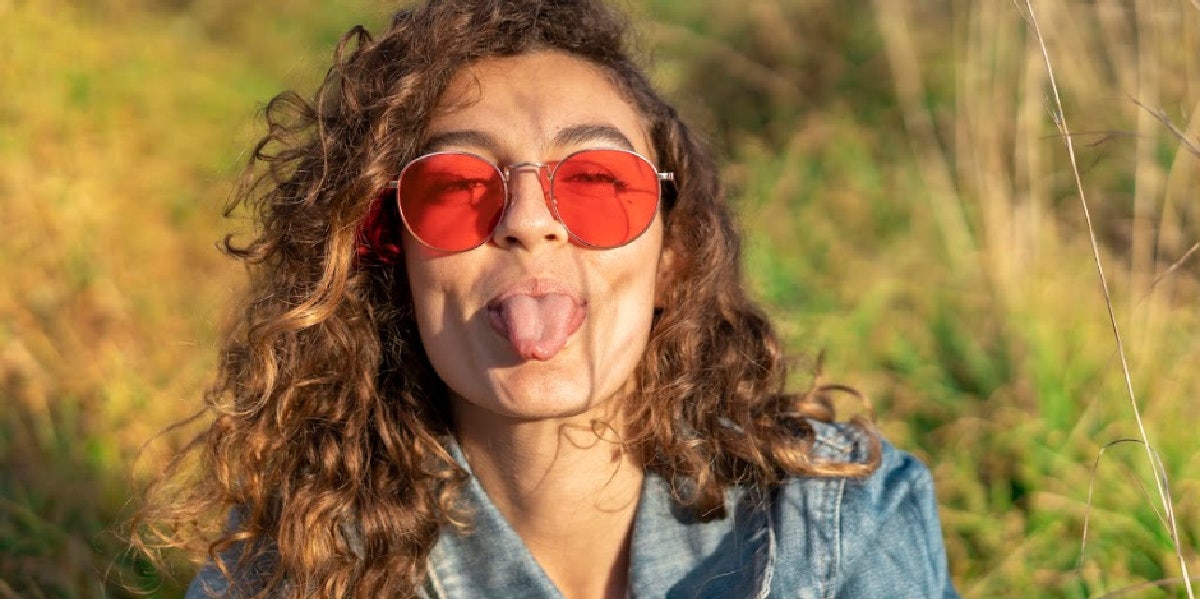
column 674, row 555
column 490, row 560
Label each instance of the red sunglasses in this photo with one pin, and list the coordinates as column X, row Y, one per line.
column 452, row 201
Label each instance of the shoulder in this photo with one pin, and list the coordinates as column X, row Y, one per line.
column 899, row 477
column 840, row 441
column 876, row 535
column 898, row 482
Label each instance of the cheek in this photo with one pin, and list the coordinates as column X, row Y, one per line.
column 430, row 289
column 441, row 324
column 633, row 281
column 442, row 287
column 433, row 279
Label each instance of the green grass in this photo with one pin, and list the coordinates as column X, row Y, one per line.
column 908, row 206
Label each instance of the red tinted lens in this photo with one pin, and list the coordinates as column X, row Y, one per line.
column 606, row 198
column 451, row 201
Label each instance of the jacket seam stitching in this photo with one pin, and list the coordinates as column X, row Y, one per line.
column 765, row 590
column 834, row 569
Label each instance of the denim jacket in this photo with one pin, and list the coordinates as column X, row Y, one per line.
column 810, row 538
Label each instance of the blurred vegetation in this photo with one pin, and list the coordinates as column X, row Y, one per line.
column 909, row 210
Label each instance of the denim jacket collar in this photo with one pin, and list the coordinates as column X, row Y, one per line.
column 672, row 552
column 676, row 555
column 807, row 538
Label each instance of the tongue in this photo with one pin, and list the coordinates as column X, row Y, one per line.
column 538, row 327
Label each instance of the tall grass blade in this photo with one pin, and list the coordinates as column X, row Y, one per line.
column 1060, row 121
column 1178, row 263
column 1158, row 113
column 1092, row 487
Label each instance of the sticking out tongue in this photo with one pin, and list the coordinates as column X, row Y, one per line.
column 537, row 327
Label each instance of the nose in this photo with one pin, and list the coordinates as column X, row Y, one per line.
column 528, row 219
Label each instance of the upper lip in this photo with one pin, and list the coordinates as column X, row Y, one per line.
column 535, row 287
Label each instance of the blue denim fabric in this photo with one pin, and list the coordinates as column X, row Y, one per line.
column 811, row 538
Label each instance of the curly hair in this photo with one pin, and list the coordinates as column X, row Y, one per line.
column 329, row 426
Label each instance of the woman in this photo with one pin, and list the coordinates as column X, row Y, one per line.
column 497, row 345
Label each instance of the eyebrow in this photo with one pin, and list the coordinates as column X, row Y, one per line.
column 573, row 135
column 451, row 139
column 585, row 133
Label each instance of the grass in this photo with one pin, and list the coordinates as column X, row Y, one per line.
column 910, row 210
column 928, row 238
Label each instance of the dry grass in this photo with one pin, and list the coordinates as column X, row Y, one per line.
column 1158, row 474
column 931, row 241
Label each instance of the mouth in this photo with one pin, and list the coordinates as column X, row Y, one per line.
column 537, row 317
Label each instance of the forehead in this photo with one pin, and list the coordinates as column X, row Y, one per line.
column 523, row 104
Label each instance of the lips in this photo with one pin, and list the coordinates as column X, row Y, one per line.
column 537, row 317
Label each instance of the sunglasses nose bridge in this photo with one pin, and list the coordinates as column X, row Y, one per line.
column 540, row 170
column 529, row 216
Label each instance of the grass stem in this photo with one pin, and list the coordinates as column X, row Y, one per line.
column 1160, row 475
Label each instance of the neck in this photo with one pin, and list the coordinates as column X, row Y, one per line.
column 566, row 487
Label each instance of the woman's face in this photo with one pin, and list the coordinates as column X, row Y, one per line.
column 530, row 325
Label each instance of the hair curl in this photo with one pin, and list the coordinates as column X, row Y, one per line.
column 329, row 423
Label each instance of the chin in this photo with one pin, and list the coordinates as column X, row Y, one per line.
column 534, row 390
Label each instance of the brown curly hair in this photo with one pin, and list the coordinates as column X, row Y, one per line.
column 328, row 439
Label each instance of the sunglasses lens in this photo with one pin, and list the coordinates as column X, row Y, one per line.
column 450, row 201
column 606, row 198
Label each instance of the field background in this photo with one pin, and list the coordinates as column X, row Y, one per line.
column 910, row 211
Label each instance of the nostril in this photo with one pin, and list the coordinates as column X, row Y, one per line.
column 519, row 240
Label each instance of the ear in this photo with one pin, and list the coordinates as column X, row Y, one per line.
column 666, row 277
column 379, row 234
